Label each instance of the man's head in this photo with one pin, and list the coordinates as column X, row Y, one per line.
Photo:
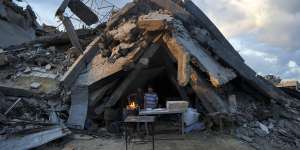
column 150, row 89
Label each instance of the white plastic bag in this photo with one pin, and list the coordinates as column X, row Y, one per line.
column 191, row 116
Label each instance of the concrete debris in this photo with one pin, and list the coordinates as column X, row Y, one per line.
column 35, row 85
column 78, row 110
column 35, row 139
column 82, row 78
column 27, row 70
column 125, row 33
column 263, row 128
column 48, row 67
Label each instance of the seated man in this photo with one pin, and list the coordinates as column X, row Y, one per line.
column 137, row 98
column 150, row 99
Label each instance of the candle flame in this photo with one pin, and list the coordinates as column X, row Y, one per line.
column 132, row 106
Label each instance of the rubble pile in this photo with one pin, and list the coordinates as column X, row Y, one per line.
column 143, row 40
column 31, row 69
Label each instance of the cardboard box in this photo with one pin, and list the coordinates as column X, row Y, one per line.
column 177, row 105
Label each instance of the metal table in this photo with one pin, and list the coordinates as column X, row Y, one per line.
column 137, row 120
column 164, row 111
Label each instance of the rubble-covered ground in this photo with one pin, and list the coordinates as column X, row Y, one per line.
column 47, row 81
column 192, row 141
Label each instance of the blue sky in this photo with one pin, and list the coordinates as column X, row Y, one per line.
column 265, row 32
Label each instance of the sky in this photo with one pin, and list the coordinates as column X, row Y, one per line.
column 265, row 32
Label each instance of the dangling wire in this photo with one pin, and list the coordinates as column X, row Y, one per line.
column 102, row 8
column 39, row 18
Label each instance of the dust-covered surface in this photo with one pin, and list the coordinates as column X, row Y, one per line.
column 192, row 141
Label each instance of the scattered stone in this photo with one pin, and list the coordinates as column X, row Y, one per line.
column 263, row 128
column 35, row 85
column 48, row 67
column 271, row 126
column 27, row 70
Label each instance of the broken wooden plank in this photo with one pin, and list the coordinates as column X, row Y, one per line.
column 181, row 44
column 71, row 32
column 83, row 12
column 120, row 14
column 143, row 62
column 206, row 23
column 34, row 139
column 71, row 75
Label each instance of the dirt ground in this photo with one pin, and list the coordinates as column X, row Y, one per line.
column 192, row 141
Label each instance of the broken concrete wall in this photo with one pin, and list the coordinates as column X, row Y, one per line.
column 17, row 25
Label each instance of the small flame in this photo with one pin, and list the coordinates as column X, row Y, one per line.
column 132, row 106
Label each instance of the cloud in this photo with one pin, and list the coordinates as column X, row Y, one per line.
column 266, row 59
column 265, row 32
column 45, row 10
column 275, row 22
column 292, row 6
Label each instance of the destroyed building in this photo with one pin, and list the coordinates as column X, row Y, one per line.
column 83, row 77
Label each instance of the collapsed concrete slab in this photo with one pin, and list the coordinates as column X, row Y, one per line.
column 35, row 139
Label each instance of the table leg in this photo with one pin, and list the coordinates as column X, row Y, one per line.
column 182, row 124
column 126, row 134
column 153, row 134
column 146, row 128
